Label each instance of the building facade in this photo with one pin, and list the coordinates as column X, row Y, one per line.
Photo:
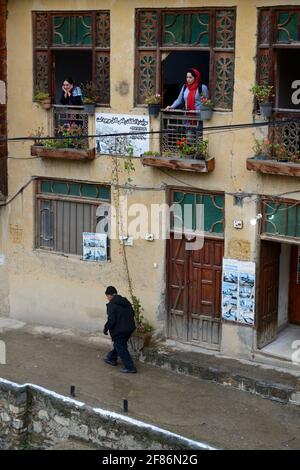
column 240, row 291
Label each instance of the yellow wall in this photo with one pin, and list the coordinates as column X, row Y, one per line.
column 59, row 290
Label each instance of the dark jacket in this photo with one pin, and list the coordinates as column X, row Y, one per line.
column 75, row 98
column 120, row 317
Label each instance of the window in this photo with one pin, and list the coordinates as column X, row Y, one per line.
column 185, row 37
column 71, row 44
column 280, row 218
column 278, row 54
column 213, row 205
column 65, row 209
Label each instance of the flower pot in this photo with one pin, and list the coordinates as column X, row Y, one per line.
column 154, row 109
column 206, row 113
column 260, row 157
column 89, row 108
column 46, row 104
column 138, row 341
column 265, row 109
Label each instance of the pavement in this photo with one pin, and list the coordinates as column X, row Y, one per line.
column 195, row 407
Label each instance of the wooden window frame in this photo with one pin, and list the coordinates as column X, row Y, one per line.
column 160, row 48
column 268, row 75
column 45, row 52
column 44, row 196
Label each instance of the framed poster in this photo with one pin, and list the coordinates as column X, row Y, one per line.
column 94, row 246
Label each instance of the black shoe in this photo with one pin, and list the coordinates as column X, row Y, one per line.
column 108, row 361
column 128, row 371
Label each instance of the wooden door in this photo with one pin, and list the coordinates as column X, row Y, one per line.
column 267, row 311
column 294, row 289
column 194, row 292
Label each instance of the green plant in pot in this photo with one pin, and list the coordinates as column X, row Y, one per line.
column 90, row 96
column 262, row 149
column 206, row 107
column 153, row 100
column 143, row 334
column 43, row 99
column 263, row 94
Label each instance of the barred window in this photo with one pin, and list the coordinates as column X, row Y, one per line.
column 66, row 209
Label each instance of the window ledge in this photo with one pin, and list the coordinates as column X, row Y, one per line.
column 69, row 256
column 63, row 153
column 274, row 167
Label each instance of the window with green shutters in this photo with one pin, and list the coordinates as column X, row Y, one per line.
column 161, row 31
column 65, row 209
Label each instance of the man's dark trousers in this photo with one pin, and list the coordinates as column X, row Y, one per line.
column 121, row 349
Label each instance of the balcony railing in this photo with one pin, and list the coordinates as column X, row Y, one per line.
column 177, row 126
column 70, row 126
column 182, row 146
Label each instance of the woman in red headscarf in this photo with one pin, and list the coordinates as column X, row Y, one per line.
column 190, row 92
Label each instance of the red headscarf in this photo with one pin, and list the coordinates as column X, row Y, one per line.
column 192, row 90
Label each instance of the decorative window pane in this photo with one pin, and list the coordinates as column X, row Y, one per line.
column 103, row 30
column 185, row 29
column 72, row 30
column 187, row 216
column 287, row 27
column 225, row 29
column 147, row 74
column 224, row 69
column 148, row 29
column 75, row 189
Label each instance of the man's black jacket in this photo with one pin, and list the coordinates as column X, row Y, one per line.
column 120, row 317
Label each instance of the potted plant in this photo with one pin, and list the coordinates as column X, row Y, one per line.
column 262, row 149
column 263, row 94
column 198, row 150
column 142, row 335
column 43, row 99
column 280, row 152
column 153, row 101
column 90, row 97
column 206, row 108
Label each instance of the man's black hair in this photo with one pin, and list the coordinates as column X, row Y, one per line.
column 111, row 290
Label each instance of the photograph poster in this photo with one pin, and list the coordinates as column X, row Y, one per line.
column 94, row 246
column 238, row 291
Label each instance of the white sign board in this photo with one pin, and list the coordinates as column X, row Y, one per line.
column 113, row 124
column 94, row 246
column 238, row 291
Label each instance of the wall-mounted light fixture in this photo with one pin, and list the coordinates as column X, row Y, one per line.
column 255, row 219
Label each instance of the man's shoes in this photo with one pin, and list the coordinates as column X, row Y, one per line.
column 108, row 361
column 128, row 371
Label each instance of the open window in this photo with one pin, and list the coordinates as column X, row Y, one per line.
column 175, row 38
column 174, row 69
column 73, row 44
column 288, row 80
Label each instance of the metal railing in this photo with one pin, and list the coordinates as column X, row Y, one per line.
column 179, row 126
column 68, row 115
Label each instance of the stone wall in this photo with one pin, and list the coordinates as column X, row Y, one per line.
column 33, row 417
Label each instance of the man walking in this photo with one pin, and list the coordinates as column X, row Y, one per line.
column 120, row 324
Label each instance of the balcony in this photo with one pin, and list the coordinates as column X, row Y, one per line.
column 285, row 162
column 70, row 125
column 182, row 146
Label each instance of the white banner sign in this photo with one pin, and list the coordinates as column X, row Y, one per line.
column 123, row 144
column 238, row 291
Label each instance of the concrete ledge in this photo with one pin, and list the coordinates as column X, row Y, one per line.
column 278, row 386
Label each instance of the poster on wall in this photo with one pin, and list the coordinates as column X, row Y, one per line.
column 94, row 246
column 107, row 125
column 238, row 291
